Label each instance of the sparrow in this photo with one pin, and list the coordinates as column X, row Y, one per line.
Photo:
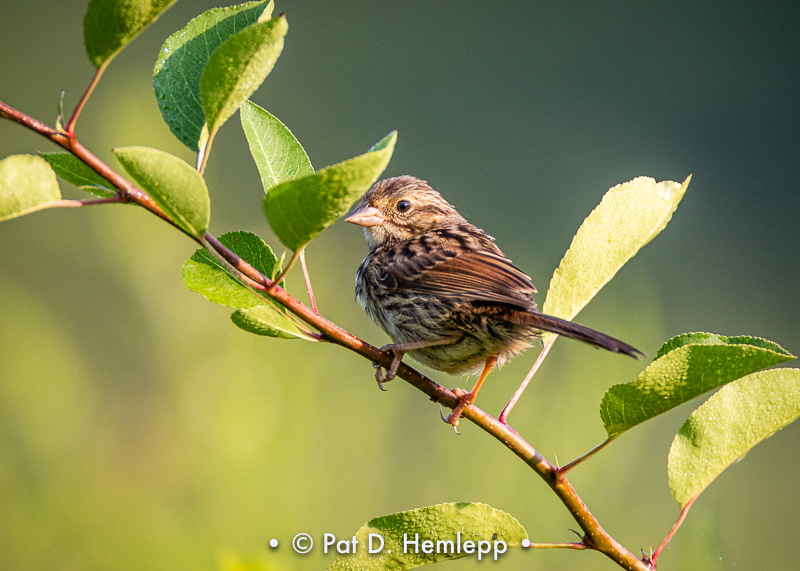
column 444, row 292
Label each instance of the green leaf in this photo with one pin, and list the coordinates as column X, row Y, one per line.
column 686, row 367
column 628, row 217
column 712, row 339
column 728, row 425
column 265, row 320
column 454, row 522
column 176, row 77
column 278, row 154
column 75, row 171
column 110, row 25
column 175, row 186
column 238, row 67
column 204, row 274
column 27, row 184
column 299, row 209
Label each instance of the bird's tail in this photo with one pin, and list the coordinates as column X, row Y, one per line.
column 575, row 331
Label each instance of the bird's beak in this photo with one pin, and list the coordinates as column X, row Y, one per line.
column 366, row 215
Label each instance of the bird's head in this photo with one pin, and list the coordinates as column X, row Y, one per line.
column 400, row 208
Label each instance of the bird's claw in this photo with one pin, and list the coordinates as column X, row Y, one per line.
column 379, row 376
column 464, row 400
column 391, row 371
column 446, row 419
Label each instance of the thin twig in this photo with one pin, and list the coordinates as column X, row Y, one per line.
column 309, row 289
column 566, row 468
column 684, row 511
column 84, row 98
column 523, row 386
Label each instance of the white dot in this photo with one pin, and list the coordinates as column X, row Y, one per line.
column 273, row 543
column 526, row 542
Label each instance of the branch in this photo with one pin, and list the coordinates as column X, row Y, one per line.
column 128, row 192
column 595, row 536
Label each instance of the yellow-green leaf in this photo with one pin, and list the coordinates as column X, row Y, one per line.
column 279, row 156
column 438, row 533
column 686, row 367
column 238, row 67
column 27, row 184
column 628, row 217
column 267, row 321
column 175, row 186
column 110, row 25
column 728, row 425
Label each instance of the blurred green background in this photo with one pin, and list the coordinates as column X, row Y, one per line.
column 139, row 429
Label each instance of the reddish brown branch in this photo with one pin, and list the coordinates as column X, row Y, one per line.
column 128, row 192
column 595, row 536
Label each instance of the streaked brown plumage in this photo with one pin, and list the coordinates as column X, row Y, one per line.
column 443, row 291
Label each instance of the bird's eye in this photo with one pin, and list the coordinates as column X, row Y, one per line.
column 403, row 206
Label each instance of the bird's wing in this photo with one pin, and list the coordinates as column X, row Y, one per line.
column 473, row 275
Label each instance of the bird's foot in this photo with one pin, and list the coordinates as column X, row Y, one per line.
column 464, row 400
column 391, row 372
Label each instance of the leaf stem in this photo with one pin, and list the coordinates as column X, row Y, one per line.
column 84, row 98
column 88, row 202
column 292, row 261
column 567, row 467
column 578, row 546
column 539, row 360
column 309, row 289
column 202, row 154
column 684, row 511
